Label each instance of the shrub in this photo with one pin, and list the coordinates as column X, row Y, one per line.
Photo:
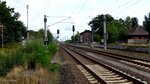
column 33, row 53
column 54, row 67
column 52, row 48
column 36, row 52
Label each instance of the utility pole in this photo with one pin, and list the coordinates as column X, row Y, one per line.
column 27, row 24
column 92, row 36
column 105, row 33
column 46, row 38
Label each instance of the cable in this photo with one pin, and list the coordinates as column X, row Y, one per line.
column 122, row 5
column 128, row 7
column 81, row 8
column 48, row 6
column 78, row 5
column 58, row 22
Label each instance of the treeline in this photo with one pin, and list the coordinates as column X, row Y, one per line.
column 117, row 29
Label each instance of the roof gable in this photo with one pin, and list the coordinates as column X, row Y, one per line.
column 138, row 30
column 85, row 32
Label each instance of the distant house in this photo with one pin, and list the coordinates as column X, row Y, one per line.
column 137, row 34
column 86, row 36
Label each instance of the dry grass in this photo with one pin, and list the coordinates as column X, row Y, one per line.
column 19, row 75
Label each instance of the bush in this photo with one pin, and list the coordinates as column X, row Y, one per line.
column 11, row 60
column 52, row 48
column 33, row 53
column 37, row 53
column 54, row 67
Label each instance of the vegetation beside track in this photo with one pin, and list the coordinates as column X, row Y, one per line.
column 32, row 56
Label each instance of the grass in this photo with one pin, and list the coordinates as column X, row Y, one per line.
column 55, row 67
column 9, row 48
column 20, row 76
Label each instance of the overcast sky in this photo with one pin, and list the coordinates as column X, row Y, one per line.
column 80, row 11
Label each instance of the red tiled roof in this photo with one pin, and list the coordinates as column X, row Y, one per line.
column 139, row 30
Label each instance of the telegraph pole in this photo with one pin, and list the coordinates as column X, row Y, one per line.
column 27, row 24
column 46, row 38
column 105, row 33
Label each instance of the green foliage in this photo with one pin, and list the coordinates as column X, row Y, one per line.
column 36, row 52
column 97, row 38
column 116, row 31
column 32, row 52
column 41, row 32
column 146, row 23
column 127, row 23
column 13, row 28
column 134, row 21
column 52, row 48
column 11, row 60
column 76, row 37
column 97, row 22
column 54, row 67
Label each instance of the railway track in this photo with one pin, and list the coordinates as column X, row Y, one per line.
column 143, row 64
column 100, row 73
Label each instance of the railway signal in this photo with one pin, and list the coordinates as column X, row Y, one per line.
column 57, row 33
column 73, row 29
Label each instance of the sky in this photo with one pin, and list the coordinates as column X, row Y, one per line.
column 62, row 14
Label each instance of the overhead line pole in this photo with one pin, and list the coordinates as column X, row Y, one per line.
column 105, row 33
column 27, row 24
column 46, row 38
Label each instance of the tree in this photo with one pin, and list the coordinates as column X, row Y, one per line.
column 146, row 23
column 116, row 31
column 76, row 37
column 134, row 22
column 97, row 23
column 41, row 33
column 96, row 38
column 127, row 22
column 14, row 29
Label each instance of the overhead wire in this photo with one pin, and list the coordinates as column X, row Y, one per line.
column 78, row 12
column 122, row 5
column 58, row 22
column 78, row 5
column 131, row 5
column 48, row 6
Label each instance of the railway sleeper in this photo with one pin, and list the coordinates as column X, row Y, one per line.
column 108, row 76
column 148, row 68
column 91, row 79
column 118, row 81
